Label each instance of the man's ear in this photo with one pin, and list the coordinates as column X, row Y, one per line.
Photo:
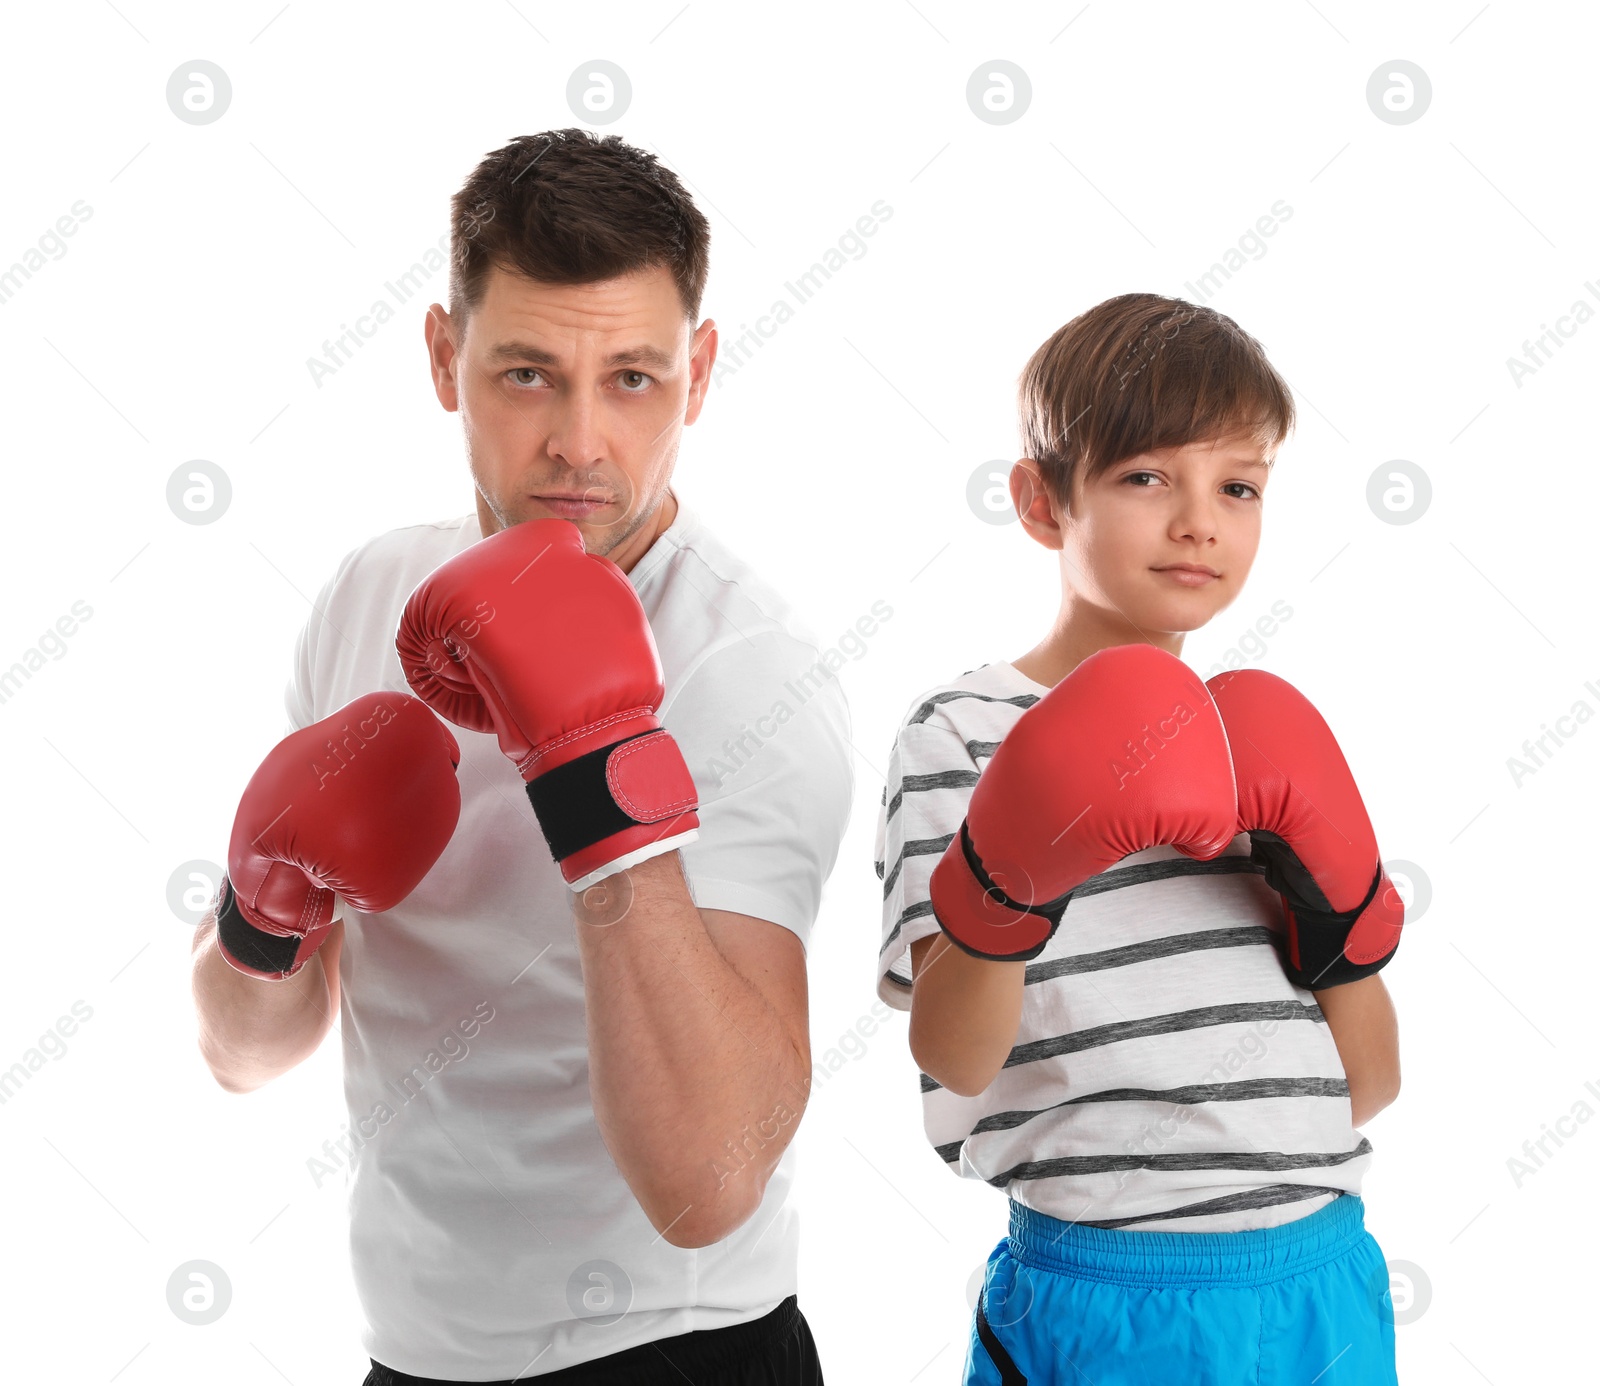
column 1033, row 504
column 702, row 362
column 438, row 330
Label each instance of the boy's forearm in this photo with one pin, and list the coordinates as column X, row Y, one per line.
column 1361, row 1018
column 964, row 1014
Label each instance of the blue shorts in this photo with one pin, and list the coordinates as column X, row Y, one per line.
column 1304, row 1301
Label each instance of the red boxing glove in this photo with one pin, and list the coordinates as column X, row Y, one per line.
column 362, row 803
column 1127, row 752
column 1309, row 830
column 528, row 636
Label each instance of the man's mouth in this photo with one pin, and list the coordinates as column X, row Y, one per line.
column 570, row 506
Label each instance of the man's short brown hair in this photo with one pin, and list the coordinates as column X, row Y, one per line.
column 566, row 207
column 1141, row 372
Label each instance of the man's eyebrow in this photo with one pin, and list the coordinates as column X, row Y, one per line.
column 529, row 354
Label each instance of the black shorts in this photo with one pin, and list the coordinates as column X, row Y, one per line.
column 774, row 1350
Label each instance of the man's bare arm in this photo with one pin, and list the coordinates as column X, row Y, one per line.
column 253, row 1029
column 699, row 1047
column 1361, row 1019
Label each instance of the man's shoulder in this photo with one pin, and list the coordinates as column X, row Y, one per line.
column 705, row 598
column 698, row 554
column 407, row 553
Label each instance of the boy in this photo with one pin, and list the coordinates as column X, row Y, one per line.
column 1166, row 1075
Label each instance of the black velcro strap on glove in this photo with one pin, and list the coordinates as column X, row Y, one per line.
column 574, row 803
column 1050, row 910
column 1319, row 930
column 253, row 947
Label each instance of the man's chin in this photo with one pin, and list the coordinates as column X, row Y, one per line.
column 594, row 520
column 603, row 527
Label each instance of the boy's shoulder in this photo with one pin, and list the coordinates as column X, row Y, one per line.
column 990, row 695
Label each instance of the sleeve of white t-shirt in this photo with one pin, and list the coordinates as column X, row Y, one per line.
column 770, row 756
column 299, row 694
column 931, row 777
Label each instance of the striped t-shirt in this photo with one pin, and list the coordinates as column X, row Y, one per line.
column 1166, row 1076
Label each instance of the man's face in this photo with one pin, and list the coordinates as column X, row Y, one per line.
column 1199, row 504
column 573, row 399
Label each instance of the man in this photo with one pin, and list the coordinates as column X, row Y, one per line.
column 596, row 1188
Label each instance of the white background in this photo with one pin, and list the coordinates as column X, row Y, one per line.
column 177, row 325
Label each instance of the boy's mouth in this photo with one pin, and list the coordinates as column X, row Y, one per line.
column 1189, row 574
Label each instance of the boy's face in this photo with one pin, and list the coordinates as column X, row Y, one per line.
column 1126, row 533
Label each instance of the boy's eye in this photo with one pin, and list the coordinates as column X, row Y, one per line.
column 1249, row 490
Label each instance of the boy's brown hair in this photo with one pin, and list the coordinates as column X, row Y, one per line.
column 566, row 207
column 1141, row 372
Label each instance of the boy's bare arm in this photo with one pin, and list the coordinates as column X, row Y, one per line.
column 964, row 1014
column 1361, row 1018
column 253, row 1029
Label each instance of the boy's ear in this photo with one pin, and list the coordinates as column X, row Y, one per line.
column 1033, row 504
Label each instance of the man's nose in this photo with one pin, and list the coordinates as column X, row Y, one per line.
column 574, row 432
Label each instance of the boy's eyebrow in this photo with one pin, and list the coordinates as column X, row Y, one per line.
column 1243, row 460
column 539, row 356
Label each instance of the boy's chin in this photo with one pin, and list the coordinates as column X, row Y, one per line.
column 1179, row 617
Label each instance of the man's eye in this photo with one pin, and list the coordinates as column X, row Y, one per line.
column 635, row 375
column 523, row 370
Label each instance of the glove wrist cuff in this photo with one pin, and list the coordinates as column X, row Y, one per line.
column 255, row 951
column 613, row 802
column 978, row 916
column 1329, row 948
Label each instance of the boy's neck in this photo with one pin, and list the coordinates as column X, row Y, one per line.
column 1080, row 634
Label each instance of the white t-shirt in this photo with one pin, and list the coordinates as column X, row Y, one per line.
column 1166, row 1076
column 491, row 1234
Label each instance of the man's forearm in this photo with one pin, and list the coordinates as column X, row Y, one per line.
column 697, row 1086
column 252, row 1029
column 1361, row 1019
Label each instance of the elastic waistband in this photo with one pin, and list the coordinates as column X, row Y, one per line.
column 1257, row 1256
column 705, row 1350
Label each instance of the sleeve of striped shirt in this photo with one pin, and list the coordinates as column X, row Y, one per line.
column 931, row 776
